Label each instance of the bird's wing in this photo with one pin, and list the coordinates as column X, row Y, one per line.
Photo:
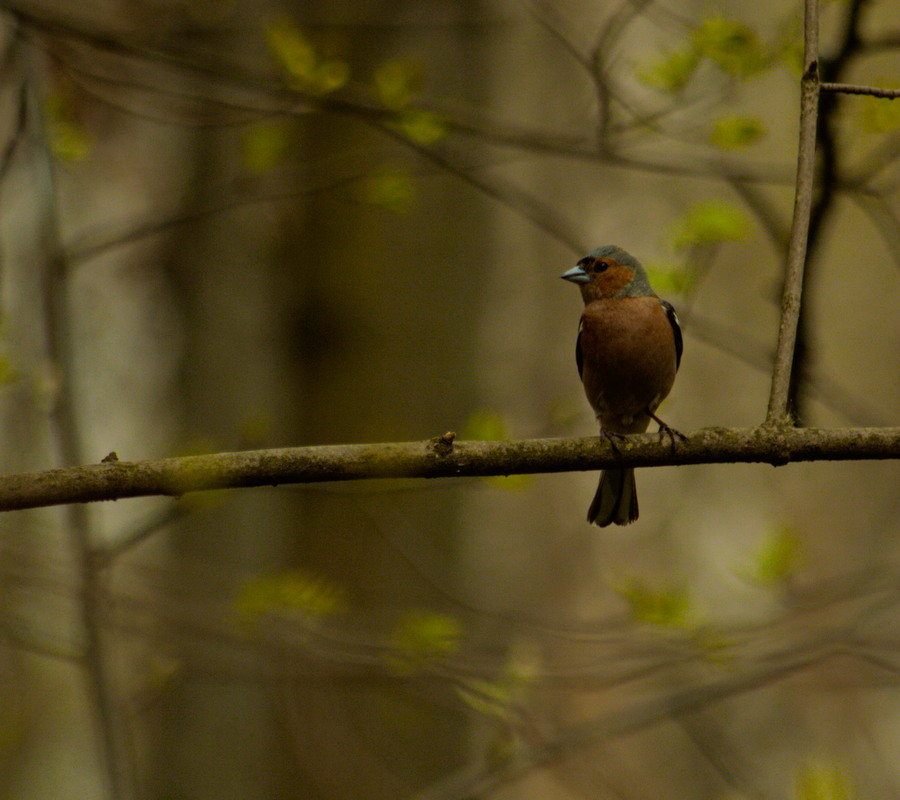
column 579, row 356
column 676, row 330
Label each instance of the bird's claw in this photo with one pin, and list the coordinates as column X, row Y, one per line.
column 611, row 437
column 665, row 430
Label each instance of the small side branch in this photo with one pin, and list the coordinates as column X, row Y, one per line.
column 114, row 480
column 852, row 88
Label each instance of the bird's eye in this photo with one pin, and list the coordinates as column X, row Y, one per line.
column 600, row 266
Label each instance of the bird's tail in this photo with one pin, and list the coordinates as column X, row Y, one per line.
column 615, row 500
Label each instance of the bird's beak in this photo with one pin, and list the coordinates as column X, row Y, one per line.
column 576, row 275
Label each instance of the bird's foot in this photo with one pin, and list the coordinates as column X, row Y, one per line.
column 666, row 430
column 611, row 437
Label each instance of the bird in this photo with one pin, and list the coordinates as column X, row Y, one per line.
column 628, row 351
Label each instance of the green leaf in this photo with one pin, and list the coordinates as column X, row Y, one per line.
column 295, row 53
column 486, row 425
column 732, row 133
column 421, row 636
column 665, row 607
column 670, row 279
column 329, row 75
column 293, row 590
column 673, row 71
column 391, row 187
column 711, row 223
column 291, row 48
column 780, row 557
column 734, row 47
column 422, row 127
column 67, row 136
column 824, row 782
column 264, row 145
column 398, row 81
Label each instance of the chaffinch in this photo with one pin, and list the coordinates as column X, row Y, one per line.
column 628, row 351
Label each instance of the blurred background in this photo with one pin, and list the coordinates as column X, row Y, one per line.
column 229, row 224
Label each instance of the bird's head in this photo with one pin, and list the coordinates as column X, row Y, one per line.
column 609, row 272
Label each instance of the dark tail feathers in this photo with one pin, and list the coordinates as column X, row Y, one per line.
column 615, row 500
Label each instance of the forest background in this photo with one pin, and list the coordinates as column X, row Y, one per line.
column 232, row 225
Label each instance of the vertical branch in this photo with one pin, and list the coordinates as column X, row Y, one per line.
column 779, row 396
column 65, row 433
column 823, row 206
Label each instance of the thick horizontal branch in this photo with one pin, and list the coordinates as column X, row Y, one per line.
column 441, row 457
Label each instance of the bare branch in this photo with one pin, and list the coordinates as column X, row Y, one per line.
column 437, row 458
column 67, row 441
column 796, row 260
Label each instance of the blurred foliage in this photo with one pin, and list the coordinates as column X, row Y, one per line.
column 732, row 46
column 789, row 44
column 68, row 138
column 824, row 782
column 419, row 637
column 876, row 114
column 488, row 698
column 510, row 483
column 671, row 72
column 307, row 69
column 671, row 279
column 391, row 187
column 398, row 81
column 192, row 502
column 781, row 555
column 664, row 607
column 292, row 590
column 710, row 223
column 565, row 412
column 524, row 664
column 264, row 145
column 733, row 133
column 520, row 671
column 199, row 501
column 486, row 425
column 422, row 127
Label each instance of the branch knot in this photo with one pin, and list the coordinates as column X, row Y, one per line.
column 443, row 444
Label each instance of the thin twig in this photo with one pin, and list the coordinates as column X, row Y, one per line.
column 64, row 427
column 852, row 88
column 793, row 284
